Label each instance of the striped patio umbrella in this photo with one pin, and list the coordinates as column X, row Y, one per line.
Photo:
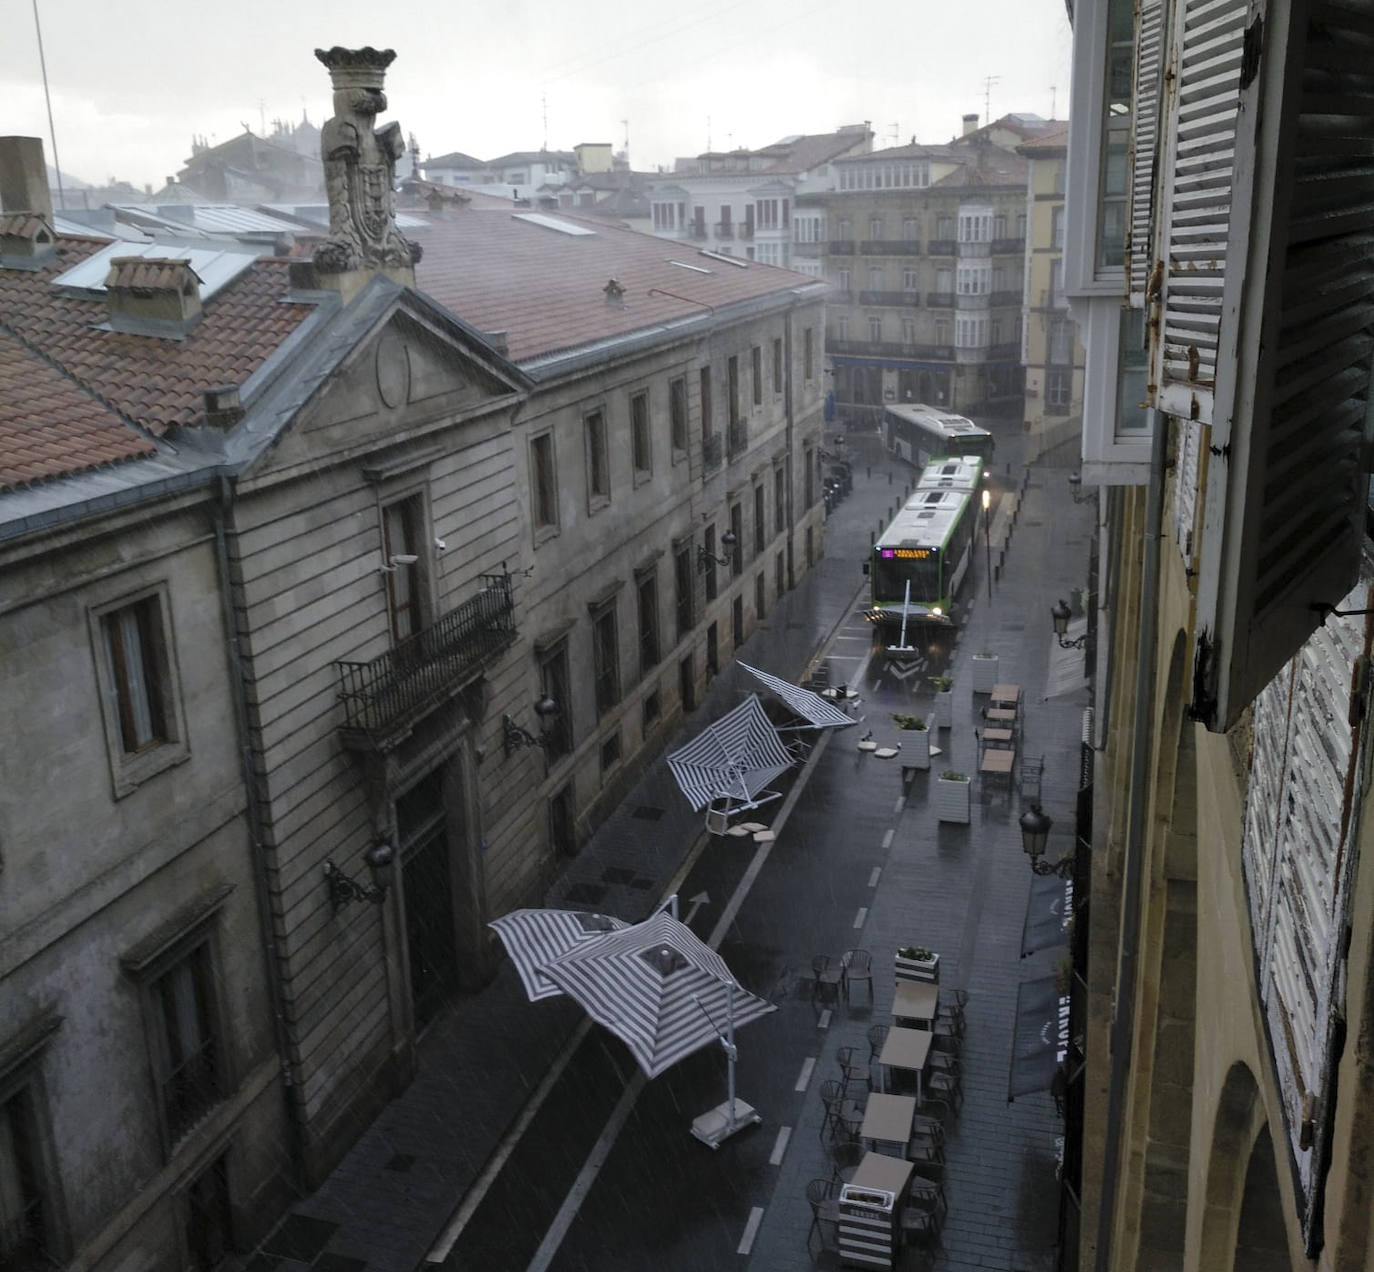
column 810, row 706
column 732, row 760
column 534, row 938
column 660, row 989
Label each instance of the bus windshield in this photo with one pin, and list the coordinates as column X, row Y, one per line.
column 890, row 575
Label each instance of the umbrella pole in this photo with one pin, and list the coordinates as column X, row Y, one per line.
column 721, row 1122
column 901, row 647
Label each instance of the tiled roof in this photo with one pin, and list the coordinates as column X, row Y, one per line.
column 454, row 159
column 50, row 426
column 1048, row 144
column 544, row 289
column 149, row 273
column 156, row 383
column 22, row 225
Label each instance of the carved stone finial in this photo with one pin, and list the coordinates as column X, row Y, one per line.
column 360, row 171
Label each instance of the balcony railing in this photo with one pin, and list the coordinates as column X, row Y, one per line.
column 711, row 448
column 940, row 300
column 1005, row 298
column 841, row 247
column 738, row 437
column 890, row 247
column 839, row 297
column 941, row 247
column 899, row 299
column 971, row 248
column 393, row 690
column 697, row 231
column 1008, row 247
column 1008, row 349
column 725, row 229
column 892, row 349
column 745, row 231
column 971, row 300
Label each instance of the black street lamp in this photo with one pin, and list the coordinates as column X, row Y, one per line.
column 344, row 889
column 1060, row 615
column 727, row 541
column 1035, row 834
column 514, row 735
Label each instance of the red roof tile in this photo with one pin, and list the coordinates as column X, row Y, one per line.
column 545, row 289
column 157, row 383
column 50, row 426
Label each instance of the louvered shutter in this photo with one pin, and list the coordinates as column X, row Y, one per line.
column 1207, row 44
column 1187, row 473
column 1284, row 495
column 1297, row 854
column 1144, row 145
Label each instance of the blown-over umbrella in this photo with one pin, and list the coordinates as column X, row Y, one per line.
column 534, row 938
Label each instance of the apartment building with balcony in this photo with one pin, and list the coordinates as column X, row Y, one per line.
column 741, row 202
column 924, row 250
column 1219, row 1081
column 1052, row 352
column 295, row 552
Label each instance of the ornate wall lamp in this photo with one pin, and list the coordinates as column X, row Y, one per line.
column 514, row 736
column 727, row 541
column 344, row 889
column 1035, row 834
column 1076, row 488
column 1060, row 615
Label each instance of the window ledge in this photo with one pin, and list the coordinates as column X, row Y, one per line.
column 129, row 772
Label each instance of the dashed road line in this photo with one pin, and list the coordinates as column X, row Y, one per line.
column 887, row 838
column 823, row 1020
column 751, row 1230
column 861, row 916
column 875, row 876
column 804, row 1078
column 780, row 1146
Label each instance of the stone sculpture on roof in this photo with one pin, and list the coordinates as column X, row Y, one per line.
column 360, row 168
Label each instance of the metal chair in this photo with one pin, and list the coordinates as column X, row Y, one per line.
column 877, row 1035
column 858, row 966
column 948, row 1085
column 854, row 1069
column 825, row 1209
column 950, row 1011
column 832, row 1092
column 927, row 1142
column 827, row 979
column 846, row 1158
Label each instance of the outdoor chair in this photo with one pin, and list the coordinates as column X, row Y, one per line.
column 854, row 1070
column 832, row 1092
column 922, row 1219
column 858, row 966
column 826, row 985
column 846, row 1158
column 927, row 1142
column 825, row 1209
column 951, row 1010
column 948, row 1085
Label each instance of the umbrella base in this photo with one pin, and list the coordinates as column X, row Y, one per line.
column 714, row 1126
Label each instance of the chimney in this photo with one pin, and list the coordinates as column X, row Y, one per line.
column 970, row 124
column 152, row 296
column 223, row 408
column 27, row 240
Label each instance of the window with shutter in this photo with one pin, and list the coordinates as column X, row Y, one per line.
column 1209, row 36
column 1299, row 827
column 1284, row 490
column 1185, row 487
column 1144, row 140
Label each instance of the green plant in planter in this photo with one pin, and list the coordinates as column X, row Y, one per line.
column 953, row 775
column 917, row 952
column 943, row 684
column 908, row 721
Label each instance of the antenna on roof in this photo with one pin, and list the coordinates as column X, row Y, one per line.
column 988, row 82
column 1053, row 88
column 544, row 103
column 52, row 132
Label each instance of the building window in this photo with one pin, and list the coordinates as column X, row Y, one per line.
column 875, row 228
column 1057, row 298
column 779, row 574
column 1057, row 228
column 543, row 484
column 554, row 682
column 606, row 659
column 994, row 331
column 842, row 327
column 687, row 684
column 405, row 589
column 209, row 1219
column 779, row 499
column 136, row 670
column 598, row 462
column 610, row 752
column 756, row 372
column 1058, row 385
column 640, row 442
column 942, row 331
column 683, row 589
column 708, row 426
column 777, row 365
column 911, row 281
column 808, row 354
column 737, row 622
column 911, row 230
column 875, row 328
column 908, row 331
column 647, row 586
column 30, row 1230
column 737, row 528
column 708, row 562
column 760, row 596
column 944, row 227
column 562, row 822
column 875, row 278
column 677, row 415
column 760, row 520
column 712, row 650
column 187, row 1052
column 808, row 479
column 1061, row 342
column 732, row 382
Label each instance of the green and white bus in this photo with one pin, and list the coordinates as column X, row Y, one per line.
column 920, row 433
column 918, row 563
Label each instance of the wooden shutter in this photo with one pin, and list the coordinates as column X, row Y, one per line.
column 1284, row 495
column 1187, row 475
column 1208, row 39
column 1149, row 49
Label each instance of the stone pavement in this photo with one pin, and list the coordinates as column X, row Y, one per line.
column 961, row 890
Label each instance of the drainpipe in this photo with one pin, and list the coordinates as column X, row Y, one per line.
column 791, row 461
column 1123, row 1018
column 261, row 888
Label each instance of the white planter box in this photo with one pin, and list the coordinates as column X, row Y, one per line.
column 915, row 748
column 985, row 672
column 912, row 969
column 952, row 799
column 944, row 710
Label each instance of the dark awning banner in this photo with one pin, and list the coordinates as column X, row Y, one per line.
column 1047, row 914
column 1041, row 1039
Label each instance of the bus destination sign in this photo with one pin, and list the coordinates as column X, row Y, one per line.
column 906, row 554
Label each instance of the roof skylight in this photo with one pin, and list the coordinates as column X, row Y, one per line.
column 553, row 223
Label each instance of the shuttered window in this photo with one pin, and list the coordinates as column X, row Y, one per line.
column 1185, row 487
column 1208, row 40
column 1285, row 490
column 1144, row 142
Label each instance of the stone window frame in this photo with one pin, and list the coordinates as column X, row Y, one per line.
column 130, row 769
column 641, row 439
column 597, row 462
column 550, row 528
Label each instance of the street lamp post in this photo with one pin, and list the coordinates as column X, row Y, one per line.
column 987, row 534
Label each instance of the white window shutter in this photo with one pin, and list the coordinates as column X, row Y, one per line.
column 1149, row 51
column 1208, row 39
column 1187, row 471
column 1284, row 501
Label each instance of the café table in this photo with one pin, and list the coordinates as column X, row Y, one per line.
column 916, row 1000
column 997, row 762
column 883, row 1174
column 888, row 1119
column 998, row 737
column 907, row 1049
column 1005, row 695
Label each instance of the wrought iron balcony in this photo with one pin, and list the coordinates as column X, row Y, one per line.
column 940, row 300
column 892, row 349
column 738, row 438
column 697, row 231
column 711, row 449
column 385, row 696
column 890, row 247
column 942, row 247
column 900, row 299
column 725, row 229
column 1008, row 247
column 1007, row 350
column 841, row 247
column 1005, row 298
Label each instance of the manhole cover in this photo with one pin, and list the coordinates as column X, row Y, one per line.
column 647, row 813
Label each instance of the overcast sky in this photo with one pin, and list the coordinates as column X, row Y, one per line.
column 132, row 82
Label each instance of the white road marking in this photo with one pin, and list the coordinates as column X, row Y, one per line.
column 875, row 876
column 823, row 1020
column 751, row 1230
column 805, row 1076
column 899, row 805
column 861, row 916
column 780, row 1146
column 887, row 838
